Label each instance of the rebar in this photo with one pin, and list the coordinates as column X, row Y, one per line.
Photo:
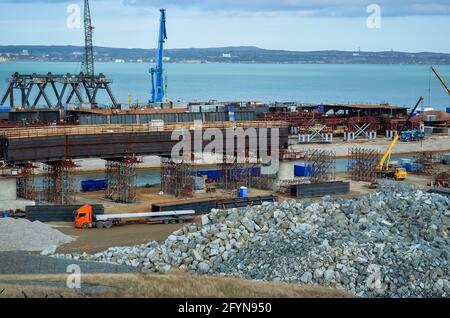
column 427, row 163
column 59, row 182
column 362, row 164
column 25, row 183
column 122, row 179
column 177, row 178
column 236, row 173
column 323, row 165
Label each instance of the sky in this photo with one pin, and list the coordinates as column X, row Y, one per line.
column 300, row 25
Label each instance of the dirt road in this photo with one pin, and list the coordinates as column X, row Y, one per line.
column 96, row 240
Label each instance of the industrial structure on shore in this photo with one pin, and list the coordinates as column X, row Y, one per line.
column 56, row 119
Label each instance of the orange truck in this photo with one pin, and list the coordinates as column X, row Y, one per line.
column 85, row 218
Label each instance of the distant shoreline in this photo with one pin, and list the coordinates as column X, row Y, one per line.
column 233, row 63
column 235, row 55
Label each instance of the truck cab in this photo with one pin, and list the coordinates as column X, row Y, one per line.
column 400, row 174
column 83, row 217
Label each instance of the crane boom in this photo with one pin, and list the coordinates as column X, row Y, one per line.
column 440, row 79
column 88, row 61
column 157, row 72
column 381, row 165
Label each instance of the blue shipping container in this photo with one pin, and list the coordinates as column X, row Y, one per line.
column 5, row 109
column 210, row 174
column 448, row 110
column 94, row 185
column 215, row 174
column 302, row 170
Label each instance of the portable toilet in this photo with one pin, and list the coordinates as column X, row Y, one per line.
column 243, row 192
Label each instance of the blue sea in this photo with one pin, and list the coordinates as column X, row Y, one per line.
column 394, row 84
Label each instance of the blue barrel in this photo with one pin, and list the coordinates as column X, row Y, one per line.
column 5, row 214
column 243, row 192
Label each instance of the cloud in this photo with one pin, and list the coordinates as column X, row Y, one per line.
column 314, row 8
column 326, row 8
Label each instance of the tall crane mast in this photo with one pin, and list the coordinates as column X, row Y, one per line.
column 157, row 72
column 88, row 62
column 440, row 79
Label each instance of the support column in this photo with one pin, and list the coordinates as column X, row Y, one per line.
column 59, row 182
column 122, row 179
column 25, row 183
column 177, row 178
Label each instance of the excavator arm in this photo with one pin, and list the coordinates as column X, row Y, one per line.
column 382, row 164
column 440, row 79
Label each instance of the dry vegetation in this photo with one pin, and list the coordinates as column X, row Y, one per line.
column 175, row 285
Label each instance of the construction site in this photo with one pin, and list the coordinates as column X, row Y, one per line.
column 245, row 159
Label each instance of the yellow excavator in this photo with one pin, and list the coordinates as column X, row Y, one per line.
column 383, row 168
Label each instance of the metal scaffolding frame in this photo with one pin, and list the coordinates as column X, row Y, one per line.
column 25, row 183
column 59, row 182
column 264, row 181
column 236, row 173
column 323, row 165
column 428, row 162
column 362, row 164
column 61, row 89
column 177, row 178
column 122, row 179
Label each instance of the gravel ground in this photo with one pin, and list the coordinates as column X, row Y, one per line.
column 23, row 235
column 391, row 243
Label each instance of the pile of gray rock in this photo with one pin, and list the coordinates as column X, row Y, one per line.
column 23, row 235
column 392, row 243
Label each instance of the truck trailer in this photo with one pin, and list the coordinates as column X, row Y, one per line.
column 85, row 219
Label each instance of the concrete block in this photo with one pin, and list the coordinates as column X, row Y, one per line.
column 15, row 204
column 7, row 189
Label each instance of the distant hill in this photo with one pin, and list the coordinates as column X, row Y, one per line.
column 246, row 54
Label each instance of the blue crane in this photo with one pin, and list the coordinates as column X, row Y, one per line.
column 157, row 72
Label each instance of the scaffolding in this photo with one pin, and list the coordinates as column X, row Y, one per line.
column 323, row 165
column 264, row 182
column 25, row 183
column 122, row 179
column 363, row 163
column 236, row 173
column 428, row 163
column 177, row 178
column 59, row 182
